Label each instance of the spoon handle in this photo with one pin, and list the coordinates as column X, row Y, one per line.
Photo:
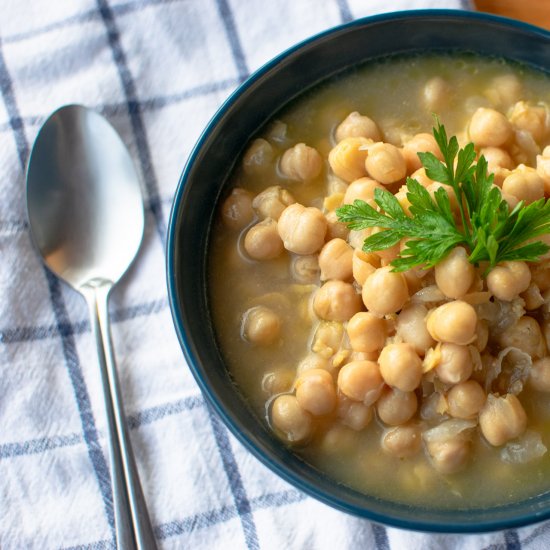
column 132, row 524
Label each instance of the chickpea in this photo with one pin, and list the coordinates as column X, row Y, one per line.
column 335, row 185
column 455, row 365
column 530, row 118
column 287, row 416
column 387, row 254
column 432, row 188
column 258, row 156
column 482, row 335
column 500, row 174
column 363, row 264
column 335, row 260
column 385, row 163
column 532, row 297
column 411, row 327
column 414, row 276
column 277, row 132
column 489, row 128
column 466, row 399
column 277, row 381
column 395, row 407
column 524, row 150
column 367, row 332
column 335, row 229
column 539, row 375
column 449, row 456
column 261, row 326
column 510, row 199
column 361, row 381
column 509, row 279
column 436, row 94
column 315, row 392
column 385, row 291
column 455, row 274
column 502, row 419
column 237, row 209
column 262, row 241
column 525, row 335
column 540, row 274
column 363, row 189
column 354, row 414
column 546, row 332
column 543, row 169
column 305, row 269
column 453, row 322
column 403, row 200
column 271, row 202
column 496, row 158
column 336, row 301
column 357, row 125
column 327, row 338
column 313, row 361
column 421, row 177
column 394, row 132
column 504, row 90
column 420, row 143
column 402, row 441
column 364, row 356
column 338, row 440
column 347, row 158
column 356, row 238
column 400, row 366
column 302, row 229
column 472, row 104
column 301, row 163
column 499, row 163
column 525, row 184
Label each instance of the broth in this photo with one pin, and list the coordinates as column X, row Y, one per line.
column 393, row 93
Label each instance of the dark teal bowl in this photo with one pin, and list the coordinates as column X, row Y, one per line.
column 205, row 177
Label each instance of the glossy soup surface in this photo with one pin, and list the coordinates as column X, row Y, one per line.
column 399, row 95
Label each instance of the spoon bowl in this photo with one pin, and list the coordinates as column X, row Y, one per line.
column 85, row 212
column 84, row 199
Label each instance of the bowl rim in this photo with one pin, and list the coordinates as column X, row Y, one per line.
column 194, row 364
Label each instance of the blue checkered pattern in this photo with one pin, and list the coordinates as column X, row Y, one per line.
column 158, row 70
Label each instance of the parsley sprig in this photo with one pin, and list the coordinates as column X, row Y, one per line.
column 484, row 223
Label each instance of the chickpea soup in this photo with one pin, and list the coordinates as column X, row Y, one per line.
column 424, row 383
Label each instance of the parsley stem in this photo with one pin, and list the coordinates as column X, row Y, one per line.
column 465, row 224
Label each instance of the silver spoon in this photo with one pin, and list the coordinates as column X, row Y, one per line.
column 85, row 212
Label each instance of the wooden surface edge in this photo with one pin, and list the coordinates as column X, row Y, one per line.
column 536, row 12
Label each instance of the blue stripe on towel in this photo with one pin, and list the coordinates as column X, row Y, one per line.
column 235, row 482
column 135, row 421
column 84, row 17
column 40, row 445
column 145, row 105
column 233, row 37
column 512, row 541
column 136, row 120
column 345, row 11
column 210, row 518
column 13, row 335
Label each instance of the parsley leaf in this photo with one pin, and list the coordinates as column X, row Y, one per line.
column 481, row 221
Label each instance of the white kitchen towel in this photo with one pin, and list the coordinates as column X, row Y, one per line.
column 158, row 70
